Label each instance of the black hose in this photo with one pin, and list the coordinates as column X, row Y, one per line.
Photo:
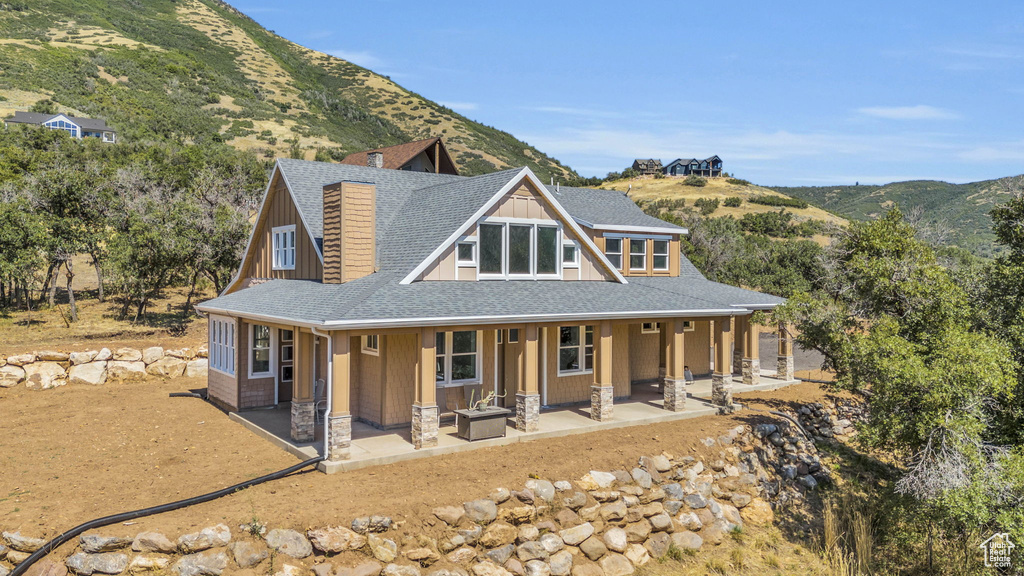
column 186, row 395
column 52, row 545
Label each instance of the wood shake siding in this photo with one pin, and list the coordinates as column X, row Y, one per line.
column 349, row 231
column 644, row 356
column 280, row 211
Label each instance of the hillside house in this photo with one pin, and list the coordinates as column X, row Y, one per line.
column 77, row 127
column 385, row 299
column 428, row 155
column 708, row 167
column 647, row 166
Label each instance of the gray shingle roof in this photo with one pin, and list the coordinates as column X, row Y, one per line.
column 89, row 124
column 606, row 208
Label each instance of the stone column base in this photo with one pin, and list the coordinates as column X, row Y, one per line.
column 721, row 390
column 303, row 420
column 737, row 360
column 675, row 395
column 424, row 426
column 601, row 407
column 786, row 368
column 751, row 370
column 339, row 442
column 528, row 412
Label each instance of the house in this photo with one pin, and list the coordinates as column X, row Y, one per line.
column 77, row 127
column 708, row 167
column 647, row 166
column 389, row 297
column 428, row 155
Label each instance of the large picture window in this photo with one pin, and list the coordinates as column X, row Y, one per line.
column 519, row 249
column 259, row 352
column 222, row 345
column 575, row 349
column 492, row 249
column 458, row 358
column 284, row 248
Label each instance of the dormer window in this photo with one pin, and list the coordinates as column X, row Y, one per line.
column 661, row 255
column 613, row 251
column 284, row 247
column 637, row 254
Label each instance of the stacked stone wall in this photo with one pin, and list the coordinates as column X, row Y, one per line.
column 48, row 369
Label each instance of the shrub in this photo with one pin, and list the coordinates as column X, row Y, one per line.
column 658, row 175
column 630, row 173
column 785, row 201
column 706, row 205
column 694, row 180
column 738, row 182
column 733, row 202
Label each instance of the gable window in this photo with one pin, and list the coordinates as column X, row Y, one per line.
column 259, row 351
column 575, row 350
column 613, row 250
column 492, row 248
column 458, row 358
column 465, row 254
column 570, row 255
column 637, row 254
column 371, row 344
column 284, row 247
column 222, row 345
column 519, row 249
column 650, row 327
column 547, row 250
column 64, row 125
column 660, row 255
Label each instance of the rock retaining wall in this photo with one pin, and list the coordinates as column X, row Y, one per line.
column 49, row 369
column 605, row 523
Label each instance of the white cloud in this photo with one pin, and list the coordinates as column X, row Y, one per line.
column 919, row 112
column 361, row 58
column 460, row 106
column 1003, row 152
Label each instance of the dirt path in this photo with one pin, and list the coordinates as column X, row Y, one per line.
column 76, row 453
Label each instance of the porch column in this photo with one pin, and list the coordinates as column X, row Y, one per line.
column 602, row 392
column 528, row 389
column 424, row 409
column 741, row 325
column 786, row 364
column 751, row 368
column 675, row 378
column 339, row 423
column 721, row 379
column 303, row 407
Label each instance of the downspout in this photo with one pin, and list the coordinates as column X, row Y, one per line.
column 544, row 365
column 330, row 389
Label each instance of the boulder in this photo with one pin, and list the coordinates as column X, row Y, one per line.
column 687, row 540
column 500, row 555
column 202, row 352
column 531, row 551
column 365, row 568
column 695, row 501
column 367, row 524
column 85, row 564
column 450, row 515
column 563, row 486
column 77, row 358
column 482, row 511
column 21, row 359
column 658, row 544
column 45, row 375
column 613, row 511
column 561, row 563
column 125, row 371
column 382, row 549
column 248, row 554
column 182, row 353
column 209, row 537
column 537, row 568
column 641, row 477
column 425, row 556
column 148, row 564
column 566, row 517
column 518, row 514
column 593, row 548
column 152, row 354
column 89, row 374
column 740, row 500
column 661, row 522
column 615, row 539
column 95, row 544
column 542, row 488
column 552, row 542
column 616, row 565
column 638, row 531
column 637, row 554
column 289, row 542
column 757, row 513
column 153, row 542
column 11, row 376
column 47, row 567
column 689, row 521
column 167, row 366
column 209, row 563
column 500, row 495
column 103, row 355
column 52, row 356
column 575, row 501
column 22, row 543
column 527, row 532
column 462, row 555
column 498, row 534
column 577, row 534
column 197, row 368
column 489, row 569
column 335, row 539
column 128, row 355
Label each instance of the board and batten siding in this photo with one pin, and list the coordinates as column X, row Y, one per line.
column 575, row 388
column 280, row 211
column 644, row 355
column 522, row 202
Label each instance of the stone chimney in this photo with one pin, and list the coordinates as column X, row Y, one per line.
column 375, row 159
column 349, row 231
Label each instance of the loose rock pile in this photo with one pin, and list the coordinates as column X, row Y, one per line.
column 833, row 419
column 49, row 369
column 606, row 523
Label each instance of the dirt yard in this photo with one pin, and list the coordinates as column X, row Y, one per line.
column 75, row 453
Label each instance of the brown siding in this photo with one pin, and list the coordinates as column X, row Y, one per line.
column 673, row 255
column 620, row 360
column 349, row 231
column 371, row 382
column 697, row 348
column 254, row 392
column 644, row 354
column 400, row 378
column 280, row 211
column 576, row 388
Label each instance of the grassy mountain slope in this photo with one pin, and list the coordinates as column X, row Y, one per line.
column 195, row 70
column 962, row 209
column 651, row 189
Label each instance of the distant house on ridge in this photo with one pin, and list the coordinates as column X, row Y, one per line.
column 77, row 127
column 647, row 166
column 709, row 167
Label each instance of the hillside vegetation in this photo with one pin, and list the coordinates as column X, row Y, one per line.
column 958, row 213
column 199, row 70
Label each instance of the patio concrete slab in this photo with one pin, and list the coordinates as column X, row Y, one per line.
column 372, row 446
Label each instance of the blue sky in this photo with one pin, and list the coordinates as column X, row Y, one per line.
column 797, row 93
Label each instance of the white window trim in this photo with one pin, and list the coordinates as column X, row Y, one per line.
column 278, row 253
column 688, row 326
column 222, row 344
column 566, row 242
column 367, row 348
column 471, row 263
column 532, row 274
column 655, row 254
column 619, row 253
column 448, row 382
column 656, row 327
column 631, row 254
column 272, row 373
column 582, row 346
